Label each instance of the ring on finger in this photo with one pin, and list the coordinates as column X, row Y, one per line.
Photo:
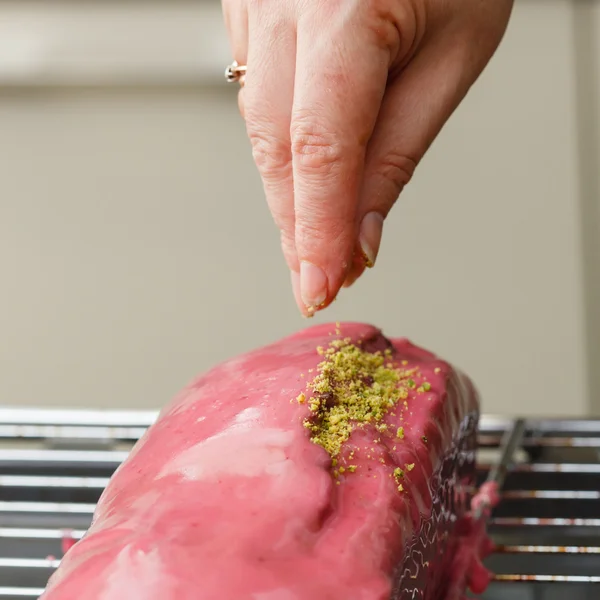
column 235, row 73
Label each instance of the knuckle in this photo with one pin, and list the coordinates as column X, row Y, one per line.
column 315, row 147
column 271, row 153
column 395, row 169
column 395, row 27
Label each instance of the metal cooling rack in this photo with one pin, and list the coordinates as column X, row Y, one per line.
column 54, row 465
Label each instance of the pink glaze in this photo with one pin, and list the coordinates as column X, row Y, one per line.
column 67, row 541
column 467, row 567
column 226, row 498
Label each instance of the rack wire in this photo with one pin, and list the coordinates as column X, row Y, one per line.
column 547, row 525
column 54, row 465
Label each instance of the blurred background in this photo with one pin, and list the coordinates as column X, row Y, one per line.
column 136, row 249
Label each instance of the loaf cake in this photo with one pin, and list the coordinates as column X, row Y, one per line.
column 335, row 464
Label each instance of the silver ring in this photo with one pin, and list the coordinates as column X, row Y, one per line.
column 235, row 73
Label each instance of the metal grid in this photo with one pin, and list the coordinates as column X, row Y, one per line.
column 54, row 465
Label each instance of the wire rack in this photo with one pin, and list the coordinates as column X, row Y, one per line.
column 54, row 465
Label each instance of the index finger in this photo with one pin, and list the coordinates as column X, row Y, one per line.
column 339, row 85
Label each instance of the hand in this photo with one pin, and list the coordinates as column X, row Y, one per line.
column 341, row 100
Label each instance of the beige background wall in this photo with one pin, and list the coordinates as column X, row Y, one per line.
column 136, row 249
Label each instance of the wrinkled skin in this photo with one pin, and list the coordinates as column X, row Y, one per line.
column 341, row 100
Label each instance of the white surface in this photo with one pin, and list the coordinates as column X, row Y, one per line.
column 136, row 249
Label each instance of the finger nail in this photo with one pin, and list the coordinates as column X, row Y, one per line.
column 369, row 237
column 296, row 290
column 313, row 285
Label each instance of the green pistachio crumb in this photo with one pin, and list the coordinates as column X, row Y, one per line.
column 352, row 388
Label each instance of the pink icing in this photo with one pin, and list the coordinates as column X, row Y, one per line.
column 467, row 568
column 226, row 498
column 67, row 541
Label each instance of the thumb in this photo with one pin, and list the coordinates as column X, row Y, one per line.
column 417, row 104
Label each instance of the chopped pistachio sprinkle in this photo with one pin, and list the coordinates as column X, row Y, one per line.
column 352, row 388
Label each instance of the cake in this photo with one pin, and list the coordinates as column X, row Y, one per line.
column 335, row 464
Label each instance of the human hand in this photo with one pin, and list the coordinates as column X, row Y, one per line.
column 341, row 100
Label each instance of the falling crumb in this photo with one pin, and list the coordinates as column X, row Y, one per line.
column 341, row 470
column 301, row 399
column 352, row 468
column 426, row 386
column 337, row 482
column 410, row 467
column 420, row 389
column 410, row 383
column 436, row 370
column 424, row 438
column 382, row 460
column 400, row 487
column 398, row 473
column 400, row 433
